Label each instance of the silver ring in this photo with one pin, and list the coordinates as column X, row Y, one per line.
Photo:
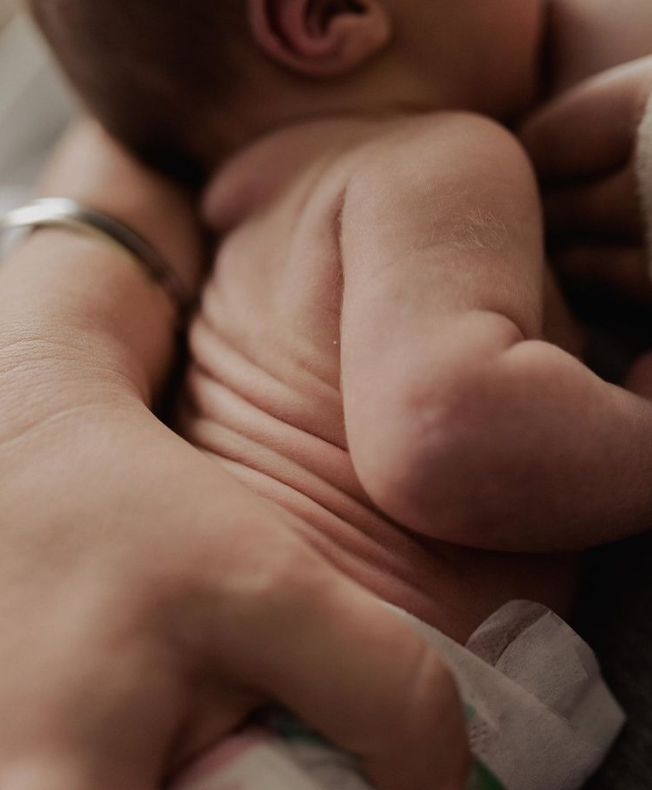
column 65, row 213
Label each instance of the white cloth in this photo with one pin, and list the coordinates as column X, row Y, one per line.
column 543, row 718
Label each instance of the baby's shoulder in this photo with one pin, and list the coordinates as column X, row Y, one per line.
column 443, row 161
column 447, row 146
column 308, row 168
column 432, row 130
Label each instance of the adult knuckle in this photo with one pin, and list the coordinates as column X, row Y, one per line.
column 269, row 594
column 435, row 681
column 275, row 579
column 434, row 701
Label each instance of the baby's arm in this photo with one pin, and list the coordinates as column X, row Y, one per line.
column 464, row 425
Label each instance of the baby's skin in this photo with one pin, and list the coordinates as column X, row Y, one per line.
column 337, row 281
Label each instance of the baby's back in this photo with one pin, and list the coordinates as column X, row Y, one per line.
column 263, row 392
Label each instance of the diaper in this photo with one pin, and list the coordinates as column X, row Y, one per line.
column 539, row 716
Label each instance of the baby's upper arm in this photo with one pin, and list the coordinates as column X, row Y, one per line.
column 445, row 214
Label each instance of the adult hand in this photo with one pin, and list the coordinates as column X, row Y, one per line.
column 583, row 144
column 149, row 602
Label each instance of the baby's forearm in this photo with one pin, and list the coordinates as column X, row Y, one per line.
column 525, row 451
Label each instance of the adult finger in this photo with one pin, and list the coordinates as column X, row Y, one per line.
column 623, row 269
column 216, row 711
column 608, row 205
column 350, row 667
column 591, row 128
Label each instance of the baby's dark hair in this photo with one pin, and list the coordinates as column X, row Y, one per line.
column 152, row 71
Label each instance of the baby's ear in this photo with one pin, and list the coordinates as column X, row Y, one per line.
column 321, row 38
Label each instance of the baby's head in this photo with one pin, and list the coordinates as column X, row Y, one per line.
column 189, row 81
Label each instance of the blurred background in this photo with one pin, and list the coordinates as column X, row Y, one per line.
column 34, row 105
column 7, row 8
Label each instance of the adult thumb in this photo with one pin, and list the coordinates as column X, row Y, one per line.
column 350, row 667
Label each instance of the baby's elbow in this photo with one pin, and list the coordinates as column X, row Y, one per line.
column 429, row 466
